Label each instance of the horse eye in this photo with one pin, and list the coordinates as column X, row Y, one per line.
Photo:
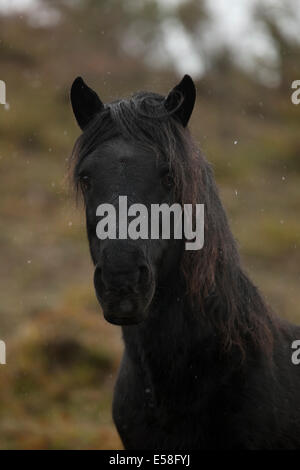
column 167, row 180
column 85, row 183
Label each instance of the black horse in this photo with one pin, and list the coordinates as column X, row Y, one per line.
column 206, row 364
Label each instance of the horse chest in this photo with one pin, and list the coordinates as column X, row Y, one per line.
column 149, row 418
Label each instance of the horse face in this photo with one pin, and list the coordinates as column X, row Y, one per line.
column 126, row 270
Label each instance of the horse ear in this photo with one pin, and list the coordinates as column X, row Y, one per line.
column 85, row 102
column 181, row 99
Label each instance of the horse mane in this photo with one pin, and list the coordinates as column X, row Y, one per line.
column 215, row 282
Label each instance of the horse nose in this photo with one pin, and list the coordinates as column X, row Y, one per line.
column 122, row 280
column 122, row 270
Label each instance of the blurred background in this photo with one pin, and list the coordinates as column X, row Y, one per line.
column 62, row 357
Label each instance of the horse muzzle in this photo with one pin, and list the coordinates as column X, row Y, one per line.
column 124, row 286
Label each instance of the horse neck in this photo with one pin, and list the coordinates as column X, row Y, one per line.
column 171, row 339
column 178, row 341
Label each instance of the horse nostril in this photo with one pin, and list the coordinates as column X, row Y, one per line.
column 121, row 281
column 144, row 274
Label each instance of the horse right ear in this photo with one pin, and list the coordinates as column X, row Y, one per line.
column 85, row 102
column 181, row 99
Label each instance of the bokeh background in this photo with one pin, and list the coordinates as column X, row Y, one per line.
column 62, row 357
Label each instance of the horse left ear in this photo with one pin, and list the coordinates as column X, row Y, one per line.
column 181, row 99
column 85, row 102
